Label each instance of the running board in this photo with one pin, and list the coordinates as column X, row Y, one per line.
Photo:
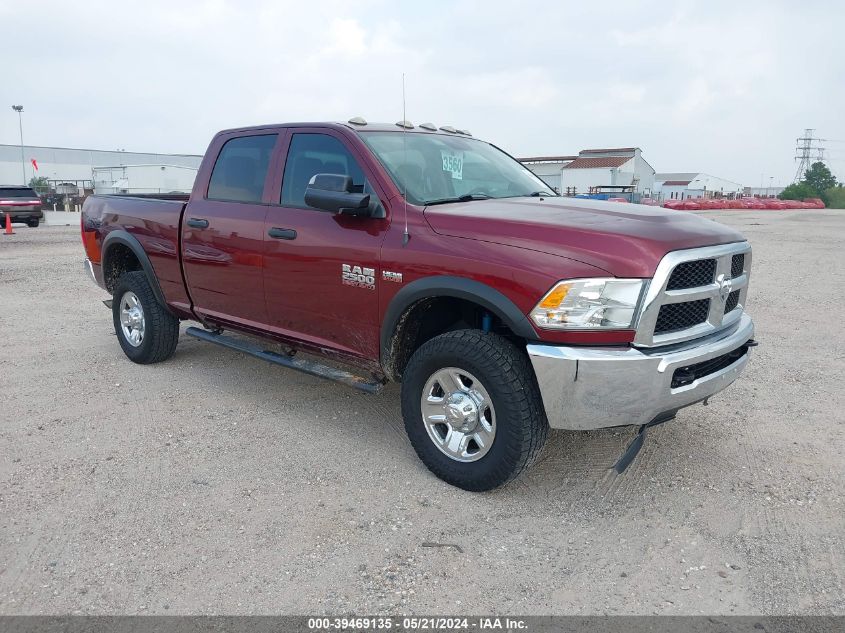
column 305, row 366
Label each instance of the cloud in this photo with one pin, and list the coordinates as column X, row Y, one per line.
column 716, row 86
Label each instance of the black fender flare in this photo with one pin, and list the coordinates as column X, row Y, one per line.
column 448, row 286
column 120, row 236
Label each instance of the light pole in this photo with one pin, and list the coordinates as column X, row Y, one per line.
column 771, row 183
column 19, row 109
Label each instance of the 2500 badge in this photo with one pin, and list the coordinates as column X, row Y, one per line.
column 358, row 276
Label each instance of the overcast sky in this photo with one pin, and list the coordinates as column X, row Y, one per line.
column 723, row 87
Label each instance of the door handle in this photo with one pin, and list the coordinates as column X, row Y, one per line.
column 197, row 223
column 282, row 234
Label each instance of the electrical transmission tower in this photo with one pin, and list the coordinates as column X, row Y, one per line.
column 805, row 147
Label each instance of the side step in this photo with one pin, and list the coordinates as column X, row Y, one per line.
column 305, row 366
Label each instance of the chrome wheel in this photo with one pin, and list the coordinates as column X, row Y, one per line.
column 132, row 319
column 458, row 414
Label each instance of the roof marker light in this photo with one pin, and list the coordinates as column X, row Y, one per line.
column 464, row 132
column 405, row 124
column 449, row 128
column 429, row 126
column 358, row 120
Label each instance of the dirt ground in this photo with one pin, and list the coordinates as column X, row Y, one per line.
column 215, row 483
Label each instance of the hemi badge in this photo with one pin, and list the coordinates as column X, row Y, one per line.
column 388, row 275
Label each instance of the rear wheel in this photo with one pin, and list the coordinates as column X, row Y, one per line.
column 147, row 332
column 34, row 222
column 472, row 409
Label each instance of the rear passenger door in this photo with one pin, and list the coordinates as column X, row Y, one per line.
column 223, row 232
column 308, row 250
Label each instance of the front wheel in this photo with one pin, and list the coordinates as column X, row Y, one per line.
column 472, row 409
column 147, row 332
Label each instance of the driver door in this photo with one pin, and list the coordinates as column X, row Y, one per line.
column 308, row 251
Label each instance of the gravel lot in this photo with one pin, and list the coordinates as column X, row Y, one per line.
column 215, row 483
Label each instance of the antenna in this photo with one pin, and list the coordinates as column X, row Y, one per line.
column 405, row 236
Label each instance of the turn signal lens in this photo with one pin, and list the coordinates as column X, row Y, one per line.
column 555, row 297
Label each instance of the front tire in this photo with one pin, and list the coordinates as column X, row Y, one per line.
column 147, row 332
column 472, row 409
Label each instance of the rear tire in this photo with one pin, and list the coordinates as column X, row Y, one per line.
column 493, row 388
column 147, row 332
column 34, row 223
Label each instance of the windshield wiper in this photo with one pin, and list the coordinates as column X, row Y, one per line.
column 464, row 198
column 544, row 192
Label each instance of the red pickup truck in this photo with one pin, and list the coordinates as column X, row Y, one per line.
column 423, row 255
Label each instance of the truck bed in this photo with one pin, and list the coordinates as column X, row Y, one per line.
column 153, row 220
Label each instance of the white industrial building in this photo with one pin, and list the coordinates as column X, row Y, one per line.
column 763, row 192
column 548, row 168
column 615, row 171
column 683, row 185
column 76, row 166
column 144, row 179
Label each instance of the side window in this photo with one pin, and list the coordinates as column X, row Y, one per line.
column 241, row 169
column 311, row 154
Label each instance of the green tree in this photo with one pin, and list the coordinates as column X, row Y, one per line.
column 818, row 182
column 835, row 197
column 798, row 191
column 819, row 177
column 40, row 184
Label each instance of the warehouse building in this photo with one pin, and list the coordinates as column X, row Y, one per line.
column 613, row 172
column 763, row 192
column 683, row 185
column 549, row 168
column 144, row 179
column 76, row 166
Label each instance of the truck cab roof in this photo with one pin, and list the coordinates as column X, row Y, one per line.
column 358, row 124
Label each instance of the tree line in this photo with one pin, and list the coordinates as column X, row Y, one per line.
column 818, row 182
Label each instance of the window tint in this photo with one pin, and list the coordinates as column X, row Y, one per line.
column 311, row 154
column 17, row 192
column 241, row 169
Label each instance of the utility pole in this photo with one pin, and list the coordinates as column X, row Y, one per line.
column 804, row 149
column 19, row 109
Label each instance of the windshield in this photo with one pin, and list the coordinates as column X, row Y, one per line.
column 437, row 169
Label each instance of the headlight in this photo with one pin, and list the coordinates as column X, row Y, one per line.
column 588, row 304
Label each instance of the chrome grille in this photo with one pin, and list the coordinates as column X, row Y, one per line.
column 733, row 300
column 692, row 274
column 680, row 316
column 737, row 265
column 694, row 293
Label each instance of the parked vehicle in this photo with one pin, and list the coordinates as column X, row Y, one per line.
column 425, row 256
column 21, row 203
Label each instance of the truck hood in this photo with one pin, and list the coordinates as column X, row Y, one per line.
column 626, row 240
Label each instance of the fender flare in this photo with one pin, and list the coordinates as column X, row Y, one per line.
column 447, row 286
column 120, row 236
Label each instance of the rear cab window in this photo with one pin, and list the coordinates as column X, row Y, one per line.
column 241, row 168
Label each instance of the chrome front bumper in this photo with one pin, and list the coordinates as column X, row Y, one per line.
column 590, row 388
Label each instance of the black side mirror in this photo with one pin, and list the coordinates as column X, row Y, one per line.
column 333, row 193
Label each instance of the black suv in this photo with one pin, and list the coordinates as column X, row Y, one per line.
column 22, row 203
